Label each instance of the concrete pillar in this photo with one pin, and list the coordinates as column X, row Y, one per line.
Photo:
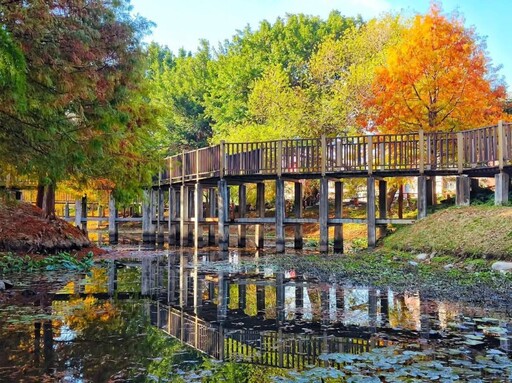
column 502, row 181
column 184, row 215
column 113, row 227
column 382, row 206
column 147, row 218
column 160, row 217
column 371, row 211
column 338, row 213
column 280, row 214
column 223, row 215
column 212, row 198
column 260, row 210
column 172, row 216
column 462, row 197
column 78, row 213
column 298, row 208
column 422, row 197
column 324, row 214
column 242, row 209
column 198, row 215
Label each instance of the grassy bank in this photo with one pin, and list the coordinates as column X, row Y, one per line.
column 474, row 231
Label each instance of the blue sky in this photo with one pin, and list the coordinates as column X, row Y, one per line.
column 182, row 23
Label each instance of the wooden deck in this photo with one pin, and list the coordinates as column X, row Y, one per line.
column 482, row 151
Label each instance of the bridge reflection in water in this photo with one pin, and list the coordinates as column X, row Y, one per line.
column 256, row 315
column 246, row 311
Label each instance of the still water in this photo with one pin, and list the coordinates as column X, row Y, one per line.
column 171, row 316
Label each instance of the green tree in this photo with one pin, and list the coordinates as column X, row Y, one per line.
column 82, row 60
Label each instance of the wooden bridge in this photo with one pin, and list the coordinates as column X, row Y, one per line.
column 484, row 152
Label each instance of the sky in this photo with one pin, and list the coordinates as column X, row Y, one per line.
column 182, row 23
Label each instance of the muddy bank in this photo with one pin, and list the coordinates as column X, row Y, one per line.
column 23, row 229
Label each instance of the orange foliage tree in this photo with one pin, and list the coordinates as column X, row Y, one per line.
column 437, row 78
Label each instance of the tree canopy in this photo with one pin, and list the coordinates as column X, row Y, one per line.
column 437, row 77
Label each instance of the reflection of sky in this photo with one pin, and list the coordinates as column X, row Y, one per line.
column 307, row 308
column 356, row 307
column 332, row 303
column 290, row 304
column 66, row 334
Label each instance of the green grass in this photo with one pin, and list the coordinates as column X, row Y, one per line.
column 475, row 231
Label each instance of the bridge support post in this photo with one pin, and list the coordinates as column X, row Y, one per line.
column 260, row 208
column 280, row 214
column 371, row 211
column 422, row 197
column 502, row 181
column 338, row 213
column 298, row 210
column 113, row 226
column 184, row 209
column 190, row 214
column 223, row 215
column 212, row 199
column 160, row 218
column 242, row 210
column 324, row 214
column 172, row 217
column 148, row 232
column 198, row 215
column 462, row 186
column 383, row 185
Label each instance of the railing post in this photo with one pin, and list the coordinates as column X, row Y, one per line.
column 370, row 155
column 323, row 155
column 422, row 151
column 222, row 159
column 197, row 165
column 170, row 170
column 279, row 158
column 501, row 144
column 460, row 152
column 183, row 167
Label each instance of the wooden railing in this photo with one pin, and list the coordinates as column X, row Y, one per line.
column 385, row 153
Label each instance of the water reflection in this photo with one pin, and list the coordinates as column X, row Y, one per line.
column 229, row 309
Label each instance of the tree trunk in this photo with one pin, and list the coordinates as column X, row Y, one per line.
column 48, row 201
column 401, row 201
column 40, row 196
column 390, row 198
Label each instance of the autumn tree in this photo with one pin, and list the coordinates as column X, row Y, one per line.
column 438, row 77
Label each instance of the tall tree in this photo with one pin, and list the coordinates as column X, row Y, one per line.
column 288, row 44
column 438, row 77
column 82, row 59
column 179, row 88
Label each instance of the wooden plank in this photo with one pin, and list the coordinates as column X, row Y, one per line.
column 421, row 144
column 460, row 152
column 370, row 155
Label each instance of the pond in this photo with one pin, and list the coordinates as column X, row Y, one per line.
column 171, row 316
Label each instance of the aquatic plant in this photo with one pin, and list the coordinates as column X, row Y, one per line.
column 61, row 261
